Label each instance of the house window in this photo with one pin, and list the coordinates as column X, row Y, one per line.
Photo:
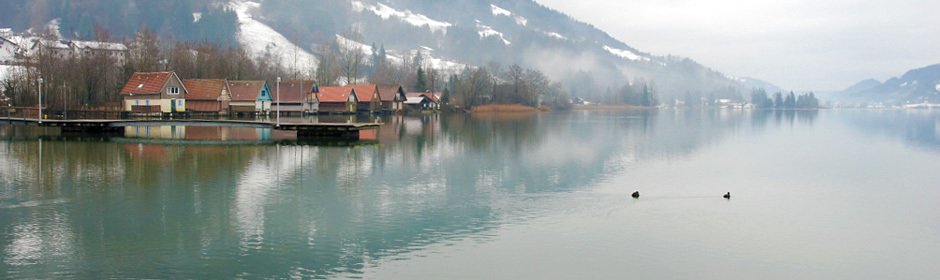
column 173, row 90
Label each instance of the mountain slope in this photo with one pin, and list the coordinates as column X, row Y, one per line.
column 451, row 34
column 915, row 86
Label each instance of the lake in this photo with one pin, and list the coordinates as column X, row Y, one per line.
column 830, row 194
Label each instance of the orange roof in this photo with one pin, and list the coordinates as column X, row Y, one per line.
column 204, row 89
column 387, row 93
column 246, row 90
column 293, row 91
column 334, row 94
column 364, row 92
column 146, row 82
column 341, row 93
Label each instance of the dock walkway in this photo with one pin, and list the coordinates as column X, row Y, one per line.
column 304, row 130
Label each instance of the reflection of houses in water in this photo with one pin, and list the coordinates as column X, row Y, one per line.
column 147, row 151
column 224, row 133
column 207, row 133
column 156, row 132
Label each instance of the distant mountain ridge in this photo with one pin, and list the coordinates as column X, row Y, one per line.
column 915, row 86
column 450, row 34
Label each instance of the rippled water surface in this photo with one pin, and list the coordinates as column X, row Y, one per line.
column 820, row 195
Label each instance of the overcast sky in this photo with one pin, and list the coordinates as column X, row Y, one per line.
column 796, row 44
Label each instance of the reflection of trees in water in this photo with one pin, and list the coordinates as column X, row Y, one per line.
column 321, row 210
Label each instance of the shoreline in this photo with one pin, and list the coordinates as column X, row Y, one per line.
column 610, row 107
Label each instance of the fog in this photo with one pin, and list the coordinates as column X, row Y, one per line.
column 800, row 45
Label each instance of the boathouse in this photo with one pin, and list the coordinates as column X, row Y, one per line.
column 250, row 97
column 338, row 100
column 295, row 97
column 207, row 95
column 393, row 98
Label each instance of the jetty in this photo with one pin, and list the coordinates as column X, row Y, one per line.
column 340, row 131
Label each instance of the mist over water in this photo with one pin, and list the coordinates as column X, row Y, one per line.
column 815, row 194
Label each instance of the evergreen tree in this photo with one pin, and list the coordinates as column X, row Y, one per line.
column 790, row 101
column 421, row 82
column 778, row 100
column 445, row 96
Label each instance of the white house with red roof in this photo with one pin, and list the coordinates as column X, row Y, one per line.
column 154, row 92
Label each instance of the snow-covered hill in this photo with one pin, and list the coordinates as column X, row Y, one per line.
column 915, row 86
column 262, row 41
column 449, row 34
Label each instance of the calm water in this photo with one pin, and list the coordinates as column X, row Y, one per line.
column 816, row 195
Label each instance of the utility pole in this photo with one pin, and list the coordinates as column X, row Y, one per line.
column 278, row 102
column 40, row 100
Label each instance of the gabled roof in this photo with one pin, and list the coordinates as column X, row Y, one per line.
column 204, row 89
column 416, row 98
column 293, row 91
column 147, row 82
column 364, row 92
column 334, row 94
column 388, row 92
column 246, row 90
column 431, row 96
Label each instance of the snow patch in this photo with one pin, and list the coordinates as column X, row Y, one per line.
column 197, row 17
column 386, row 12
column 395, row 58
column 555, row 35
column 487, row 31
column 625, row 54
column 497, row 11
column 259, row 38
column 937, row 87
column 347, row 44
column 6, row 71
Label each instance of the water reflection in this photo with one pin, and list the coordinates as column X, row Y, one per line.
column 129, row 208
column 919, row 128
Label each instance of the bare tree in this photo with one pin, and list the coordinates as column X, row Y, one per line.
column 352, row 60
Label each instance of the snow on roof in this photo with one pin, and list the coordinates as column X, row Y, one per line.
column 258, row 38
column 386, row 12
column 487, row 31
column 100, row 45
column 625, row 54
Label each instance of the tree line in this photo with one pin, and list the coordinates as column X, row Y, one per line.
column 94, row 81
column 760, row 99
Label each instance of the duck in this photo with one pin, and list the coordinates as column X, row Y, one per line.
column 636, row 194
column 727, row 195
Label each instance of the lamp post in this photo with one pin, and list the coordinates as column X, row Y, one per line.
column 278, row 97
column 40, row 100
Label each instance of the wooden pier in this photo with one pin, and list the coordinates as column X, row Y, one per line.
column 340, row 131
